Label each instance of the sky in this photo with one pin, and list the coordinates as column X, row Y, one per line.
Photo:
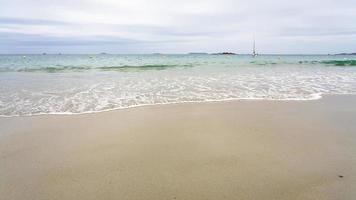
column 180, row 26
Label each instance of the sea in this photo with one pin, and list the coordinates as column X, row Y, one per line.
column 76, row 84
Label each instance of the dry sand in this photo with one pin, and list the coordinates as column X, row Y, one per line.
column 224, row 150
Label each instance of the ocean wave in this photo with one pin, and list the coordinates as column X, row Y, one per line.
column 51, row 69
column 140, row 67
column 338, row 63
column 312, row 97
column 146, row 67
column 27, row 95
column 175, row 80
column 63, row 68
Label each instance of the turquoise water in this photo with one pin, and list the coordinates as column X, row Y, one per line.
column 68, row 84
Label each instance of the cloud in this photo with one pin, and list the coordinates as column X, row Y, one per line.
column 177, row 26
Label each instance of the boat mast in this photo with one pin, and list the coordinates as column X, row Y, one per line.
column 254, row 47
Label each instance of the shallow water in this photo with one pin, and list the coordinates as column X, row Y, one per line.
column 66, row 84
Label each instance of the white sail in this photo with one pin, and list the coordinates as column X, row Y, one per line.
column 254, row 48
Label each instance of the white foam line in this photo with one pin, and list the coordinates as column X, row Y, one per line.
column 316, row 97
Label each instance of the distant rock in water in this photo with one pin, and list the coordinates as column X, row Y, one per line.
column 346, row 54
column 225, row 53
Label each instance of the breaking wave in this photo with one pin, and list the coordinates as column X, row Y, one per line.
column 61, row 68
column 76, row 84
column 337, row 63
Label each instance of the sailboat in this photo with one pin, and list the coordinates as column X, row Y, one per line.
column 254, row 54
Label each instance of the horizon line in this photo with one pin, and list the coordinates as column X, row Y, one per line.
column 188, row 53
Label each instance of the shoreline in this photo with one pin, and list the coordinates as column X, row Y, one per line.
column 317, row 97
column 213, row 150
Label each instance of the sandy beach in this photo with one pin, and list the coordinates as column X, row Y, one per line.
column 219, row 150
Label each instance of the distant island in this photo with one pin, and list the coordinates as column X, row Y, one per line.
column 225, row 53
column 346, row 54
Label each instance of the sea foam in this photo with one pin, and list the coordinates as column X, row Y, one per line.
column 94, row 87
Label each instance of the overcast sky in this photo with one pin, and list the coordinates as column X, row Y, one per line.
column 180, row 26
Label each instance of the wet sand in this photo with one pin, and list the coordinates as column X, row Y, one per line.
column 222, row 150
